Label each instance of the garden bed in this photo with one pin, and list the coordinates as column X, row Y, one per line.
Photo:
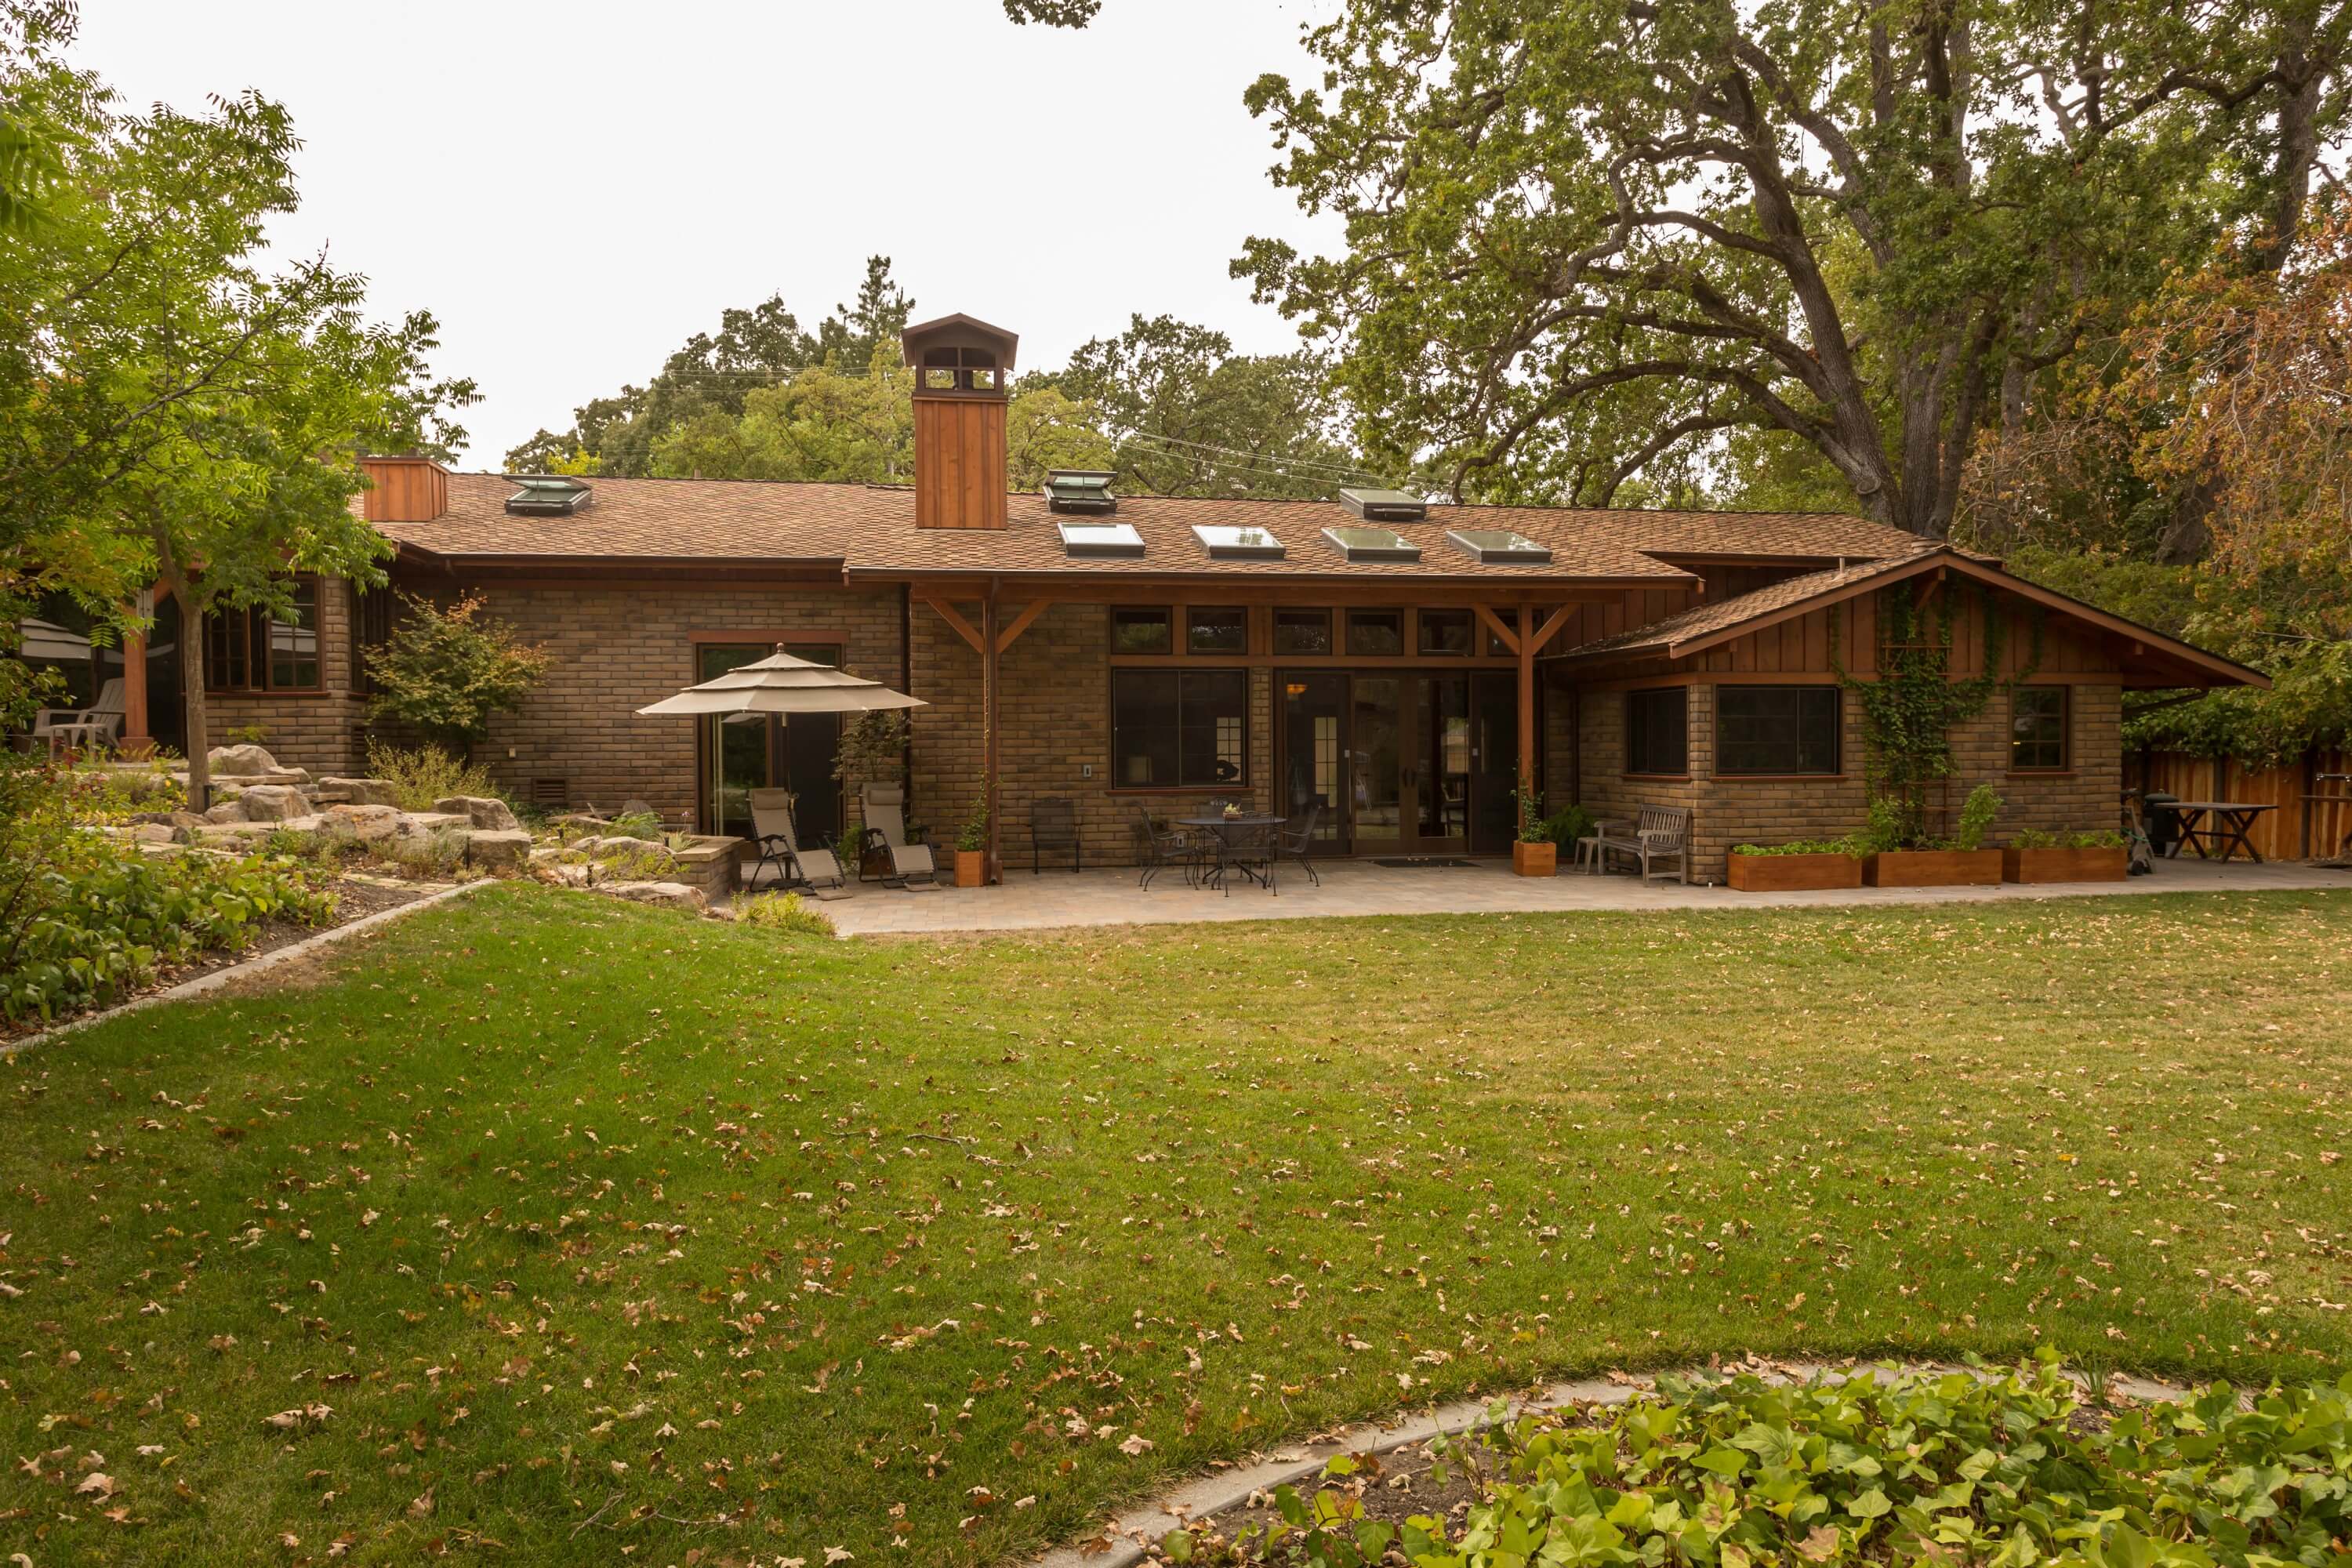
column 1933, row 869
column 1793, row 873
column 2096, row 865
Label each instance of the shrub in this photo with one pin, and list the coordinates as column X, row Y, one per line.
column 972, row 837
column 1930, row 1467
column 784, row 912
column 1566, row 825
column 2094, row 838
column 438, row 854
column 418, row 778
column 1852, row 843
column 1977, row 813
column 445, row 671
column 642, row 825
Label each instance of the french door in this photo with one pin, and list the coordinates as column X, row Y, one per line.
column 742, row 752
column 1408, row 763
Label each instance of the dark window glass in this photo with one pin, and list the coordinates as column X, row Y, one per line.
column 1657, row 731
column 1445, row 631
column 1380, row 633
column 1302, row 631
column 293, row 636
column 1776, row 729
column 1216, row 631
column 1175, row 728
column 1141, row 631
column 2037, row 727
column 226, row 646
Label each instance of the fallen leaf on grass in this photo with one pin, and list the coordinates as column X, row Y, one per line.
column 97, row 1483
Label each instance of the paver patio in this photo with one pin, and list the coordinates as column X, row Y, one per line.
column 1109, row 896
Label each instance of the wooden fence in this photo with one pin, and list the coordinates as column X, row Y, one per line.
column 2313, row 819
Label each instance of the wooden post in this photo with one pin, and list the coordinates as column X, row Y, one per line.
column 135, row 742
column 989, row 694
column 1526, row 711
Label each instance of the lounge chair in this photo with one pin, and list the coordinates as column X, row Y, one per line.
column 883, row 808
column 778, row 845
column 1054, row 825
column 95, row 726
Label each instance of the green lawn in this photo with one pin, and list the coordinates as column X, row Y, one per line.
column 601, row 1232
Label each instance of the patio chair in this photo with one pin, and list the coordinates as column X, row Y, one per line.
column 96, row 725
column 1660, row 832
column 778, row 842
column 1161, row 847
column 1054, row 825
column 1297, row 846
column 883, row 808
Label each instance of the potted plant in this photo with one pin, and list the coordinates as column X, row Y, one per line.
column 2034, row 856
column 972, row 846
column 1903, row 856
column 1801, row 865
column 1533, row 853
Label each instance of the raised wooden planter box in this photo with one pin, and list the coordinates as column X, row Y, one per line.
column 2065, row 864
column 971, row 867
column 1793, row 873
column 1933, row 869
column 1534, row 860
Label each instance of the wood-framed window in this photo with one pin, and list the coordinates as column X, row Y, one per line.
column 1219, row 630
column 1142, row 629
column 1446, row 633
column 1376, row 634
column 1776, row 729
column 1657, row 731
column 2038, row 730
column 372, row 615
column 1303, row 632
column 1179, row 729
column 265, row 650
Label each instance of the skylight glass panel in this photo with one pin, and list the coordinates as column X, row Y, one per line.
column 1099, row 541
column 1224, row 543
column 1499, row 546
column 1372, row 544
column 547, row 495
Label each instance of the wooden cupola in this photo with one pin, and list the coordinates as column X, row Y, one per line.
column 962, row 368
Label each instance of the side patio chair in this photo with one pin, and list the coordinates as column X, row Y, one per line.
column 1163, row 848
column 1054, row 825
column 883, row 809
column 1298, row 845
column 778, row 842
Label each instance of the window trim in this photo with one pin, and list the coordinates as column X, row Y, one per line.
column 1346, row 644
column 1180, row 673
column 2065, row 763
column 1301, row 612
column 1469, row 618
column 1168, row 619
column 258, row 671
column 1837, row 733
column 1625, row 728
column 1192, row 611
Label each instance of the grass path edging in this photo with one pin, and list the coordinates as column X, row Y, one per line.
column 216, row 978
column 1136, row 1528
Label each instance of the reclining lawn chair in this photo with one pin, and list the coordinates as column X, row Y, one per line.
column 883, row 808
column 772, row 834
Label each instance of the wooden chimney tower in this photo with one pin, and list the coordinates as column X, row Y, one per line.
column 962, row 369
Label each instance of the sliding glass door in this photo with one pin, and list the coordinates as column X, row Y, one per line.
column 742, row 752
column 1403, row 763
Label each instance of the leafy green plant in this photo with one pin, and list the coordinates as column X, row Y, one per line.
column 1854, row 843
column 1530, row 809
column 873, row 747
column 784, row 912
column 445, row 671
column 1977, row 814
column 423, row 775
column 642, row 825
column 246, row 734
column 972, row 837
column 2042, row 838
column 1889, row 823
column 438, row 854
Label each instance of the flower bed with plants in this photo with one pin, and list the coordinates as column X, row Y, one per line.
column 1904, row 856
column 2034, row 856
column 1806, row 865
column 1939, row 1469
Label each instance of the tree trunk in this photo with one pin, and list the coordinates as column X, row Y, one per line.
column 192, row 673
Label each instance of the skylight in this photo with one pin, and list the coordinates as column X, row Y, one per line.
column 1499, row 547
column 1098, row 541
column 547, row 495
column 1372, row 544
column 1224, row 543
column 1385, row 506
column 1080, row 491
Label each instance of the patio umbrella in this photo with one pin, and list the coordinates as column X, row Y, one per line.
column 784, row 685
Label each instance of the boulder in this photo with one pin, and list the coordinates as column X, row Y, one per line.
column 232, row 834
column 497, row 849
column 417, row 824
column 481, row 810
column 368, row 824
column 229, row 810
column 158, row 833
column 360, row 791
column 240, row 760
column 676, row 895
column 642, row 852
column 273, row 803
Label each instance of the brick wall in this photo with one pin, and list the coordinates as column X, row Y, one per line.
column 319, row 730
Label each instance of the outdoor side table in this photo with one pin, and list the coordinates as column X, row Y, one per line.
column 2231, row 820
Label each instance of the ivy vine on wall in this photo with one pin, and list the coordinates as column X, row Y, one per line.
column 1909, row 711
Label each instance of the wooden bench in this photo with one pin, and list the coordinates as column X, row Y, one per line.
column 1660, row 832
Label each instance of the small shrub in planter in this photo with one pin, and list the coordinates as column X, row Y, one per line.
column 972, row 846
column 1803, row 865
column 1916, row 860
column 1534, row 853
column 2034, row 856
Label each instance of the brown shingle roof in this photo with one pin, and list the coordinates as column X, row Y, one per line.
column 1700, row 620
column 870, row 530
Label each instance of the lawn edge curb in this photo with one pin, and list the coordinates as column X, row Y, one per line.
column 203, row 983
column 1226, row 1489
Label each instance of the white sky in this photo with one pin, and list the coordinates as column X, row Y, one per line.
column 576, row 188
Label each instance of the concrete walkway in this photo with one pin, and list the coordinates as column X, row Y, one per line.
column 1109, row 897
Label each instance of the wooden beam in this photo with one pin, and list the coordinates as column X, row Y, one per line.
column 1527, row 652
column 992, row 687
column 1021, row 622
column 1509, row 638
column 1550, row 628
column 946, row 613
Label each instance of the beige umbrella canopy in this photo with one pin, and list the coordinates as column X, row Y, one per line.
column 785, row 685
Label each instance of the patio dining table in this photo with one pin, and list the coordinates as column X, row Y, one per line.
column 2230, row 822
column 1225, row 828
